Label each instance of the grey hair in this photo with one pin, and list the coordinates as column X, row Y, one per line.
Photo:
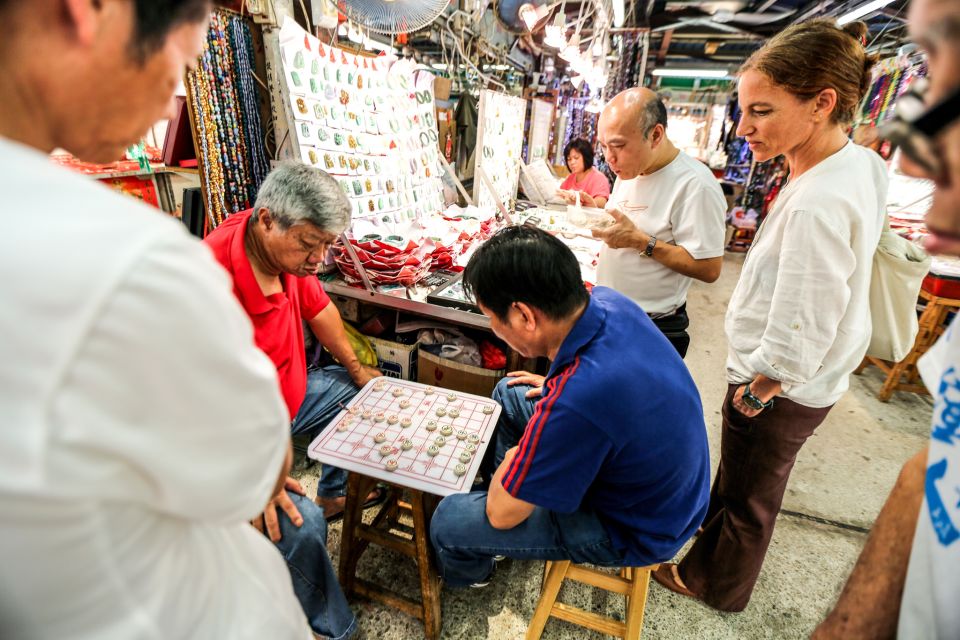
column 654, row 112
column 294, row 193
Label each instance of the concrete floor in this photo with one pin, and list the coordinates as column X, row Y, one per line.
column 838, row 486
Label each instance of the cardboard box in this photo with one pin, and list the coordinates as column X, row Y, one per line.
column 396, row 360
column 442, row 87
column 449, row 374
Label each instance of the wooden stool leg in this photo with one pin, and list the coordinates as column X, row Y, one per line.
column 862, row 366
column 546, row 572
column 357, row 489
column 429, row 584
column 893, row 380
column 636, row 603
column 551, row 589
column 627, row 574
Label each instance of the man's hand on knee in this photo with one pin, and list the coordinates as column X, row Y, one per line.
column 269, row 521
column 525, row 377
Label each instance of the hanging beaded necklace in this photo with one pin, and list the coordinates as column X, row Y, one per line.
column 226, row 108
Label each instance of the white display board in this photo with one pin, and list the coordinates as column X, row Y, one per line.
column 499, row 146
column 366, row 122
column 541, row 118
column 386, row 432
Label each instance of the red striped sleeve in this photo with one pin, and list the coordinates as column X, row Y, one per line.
column 531, row 425
column 531, row 437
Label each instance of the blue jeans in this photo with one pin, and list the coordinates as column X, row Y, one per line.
column 517, row 411
column 465, row 543
column 314, row 581
column 327, row 390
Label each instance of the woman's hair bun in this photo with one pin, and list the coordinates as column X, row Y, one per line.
column 858, row 29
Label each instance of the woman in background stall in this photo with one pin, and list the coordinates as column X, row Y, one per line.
column 593, row 186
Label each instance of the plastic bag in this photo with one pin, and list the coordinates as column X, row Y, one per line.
column 366, row 354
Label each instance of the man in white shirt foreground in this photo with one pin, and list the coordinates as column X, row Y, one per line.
column 907, row 579
column 142, row 429
column 669, row 212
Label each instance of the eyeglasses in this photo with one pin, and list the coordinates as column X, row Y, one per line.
column 914, row 129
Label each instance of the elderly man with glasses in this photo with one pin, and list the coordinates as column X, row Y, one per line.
column 907, row 579
column 273, row 252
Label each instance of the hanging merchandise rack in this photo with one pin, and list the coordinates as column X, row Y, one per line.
column 891, row 77
column 223, row 104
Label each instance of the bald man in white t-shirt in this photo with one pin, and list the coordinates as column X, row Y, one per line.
column 669, row 212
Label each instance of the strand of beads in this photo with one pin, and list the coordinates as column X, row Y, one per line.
column 227, row 117
column 250, row 108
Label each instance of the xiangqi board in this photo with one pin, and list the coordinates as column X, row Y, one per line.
column 410, row 434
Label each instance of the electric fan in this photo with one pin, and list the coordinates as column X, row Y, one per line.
column 391, row 16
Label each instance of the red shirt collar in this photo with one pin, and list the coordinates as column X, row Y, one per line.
column 248, row 289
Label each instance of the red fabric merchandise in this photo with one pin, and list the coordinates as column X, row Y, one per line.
column 277, row 326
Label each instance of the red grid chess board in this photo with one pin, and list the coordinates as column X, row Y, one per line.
column 368, row 436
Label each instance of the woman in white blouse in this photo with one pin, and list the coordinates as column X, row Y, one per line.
column 798, row 322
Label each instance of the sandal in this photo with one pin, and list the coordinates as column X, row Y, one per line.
column 668, row 577
column 379, row 495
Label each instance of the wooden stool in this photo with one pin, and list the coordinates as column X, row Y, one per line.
column 632, row 583
column 903, row 375
column 357, row 536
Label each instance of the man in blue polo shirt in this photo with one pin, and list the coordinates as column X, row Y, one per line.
column 612, row 467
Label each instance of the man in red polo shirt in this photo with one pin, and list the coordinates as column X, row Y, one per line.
column 273, row 252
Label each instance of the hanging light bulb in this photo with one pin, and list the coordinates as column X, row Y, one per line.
column 572, row 51
column 580, row 64
column 598, row 45
column 619, row 14
column 598, row 75
column 531, row 15
column 555, row 33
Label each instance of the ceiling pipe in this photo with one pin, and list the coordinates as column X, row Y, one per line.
column 820, row 7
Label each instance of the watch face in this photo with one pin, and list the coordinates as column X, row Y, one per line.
column 751, row 400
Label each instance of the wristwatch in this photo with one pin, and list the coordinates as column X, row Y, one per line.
column 753, row 401
column 650, row 247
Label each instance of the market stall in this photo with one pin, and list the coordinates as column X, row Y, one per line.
column 443, row 124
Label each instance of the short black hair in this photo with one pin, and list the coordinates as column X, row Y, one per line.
column 583, row 147
column 654, row 113
column 525, row 264
column 155, row 19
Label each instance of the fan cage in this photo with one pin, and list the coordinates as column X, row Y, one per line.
column 391, row 16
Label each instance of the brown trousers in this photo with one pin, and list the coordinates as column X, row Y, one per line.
column 756, row 456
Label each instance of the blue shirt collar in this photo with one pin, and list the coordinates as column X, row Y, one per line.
column 582, row 333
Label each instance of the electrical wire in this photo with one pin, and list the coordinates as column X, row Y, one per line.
column 466, row 60
column 887, row 26
column 306, row 16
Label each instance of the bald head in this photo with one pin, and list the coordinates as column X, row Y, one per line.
column 632, row 133
column 638, row 109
